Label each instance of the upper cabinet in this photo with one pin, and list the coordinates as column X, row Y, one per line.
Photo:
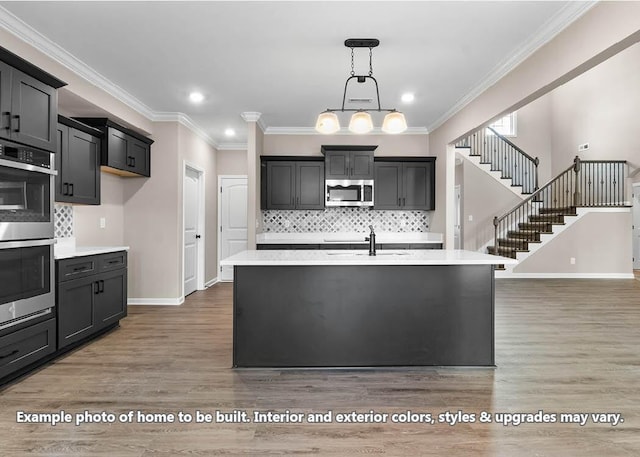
column 124, row 151
column 292, row 183
column 78, row 163
column 28, row 103
column 348, row 162
column 405, row 183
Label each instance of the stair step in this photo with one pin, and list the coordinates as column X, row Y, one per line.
column 500, row 267
column 535, row 226
column 517, row 243
column 503, row 251
column 528, row 235
column 566, row 211
column 548, row 218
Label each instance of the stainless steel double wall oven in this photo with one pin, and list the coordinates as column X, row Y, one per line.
column 26, row 233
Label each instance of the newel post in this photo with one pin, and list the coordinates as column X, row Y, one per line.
column 576, row 186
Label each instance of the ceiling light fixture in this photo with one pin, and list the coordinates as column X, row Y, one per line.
column 230, row 132
column 196, row 97
column 407, row 97
column 361, row 122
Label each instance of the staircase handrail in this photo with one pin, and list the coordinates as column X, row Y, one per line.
column 503, row 138
column 571, row 190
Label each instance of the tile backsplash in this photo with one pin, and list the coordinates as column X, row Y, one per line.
column 344, row 220
column 63, row 220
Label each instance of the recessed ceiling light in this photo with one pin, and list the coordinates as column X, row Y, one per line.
column 407, row 97
column 230, row 132
column 196, row 97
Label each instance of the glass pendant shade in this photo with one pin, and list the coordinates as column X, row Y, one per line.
column 361, row 122
column 327, row 123
column 394, row 122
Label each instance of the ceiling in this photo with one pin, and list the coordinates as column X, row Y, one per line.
column 287, row 60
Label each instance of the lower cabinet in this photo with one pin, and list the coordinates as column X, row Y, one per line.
column 26, row 346
column 273, row 247
column 91, row 295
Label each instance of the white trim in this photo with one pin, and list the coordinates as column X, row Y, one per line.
column 567, row 15
column 201, row 224
column 251, row 116
column 211, row 282
column 504, row 275
column 186, row 121
column 232, row 147
column 155, row 301
column 342, row 131
column 219, row 219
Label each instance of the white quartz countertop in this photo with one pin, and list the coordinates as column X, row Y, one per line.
column 383, row 257
column 65, row 248
column 347, row 237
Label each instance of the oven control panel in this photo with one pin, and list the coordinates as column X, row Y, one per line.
column 23, row 154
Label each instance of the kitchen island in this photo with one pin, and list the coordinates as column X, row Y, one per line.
column 349, row 309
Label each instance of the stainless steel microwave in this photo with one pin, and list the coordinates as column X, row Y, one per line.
column 349, row 192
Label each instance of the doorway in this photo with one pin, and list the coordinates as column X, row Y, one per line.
column 193, row 229
column 232, row 217
column 457, row 242
column 636, row 226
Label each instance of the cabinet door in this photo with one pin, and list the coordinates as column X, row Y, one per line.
column 83, row 168
column 116, row 154
column 337, row 164
column 281, row 182
column 388, row 185
column 309, row 185
column 5, row 100
column 111, row 300
column 34, row 112
column 76, row 309
column 361, row 165
column 138, row 157
column 61, row 160
column 416, row 185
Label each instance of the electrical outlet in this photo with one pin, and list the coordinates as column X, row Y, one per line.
column 287, row 223
column 583, row 147
column 103, row 222
column 470, row 218
column 572, row 260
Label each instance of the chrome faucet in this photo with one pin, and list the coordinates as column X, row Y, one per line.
column 372, row 241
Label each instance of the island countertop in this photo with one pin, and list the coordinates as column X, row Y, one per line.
column 383, row 257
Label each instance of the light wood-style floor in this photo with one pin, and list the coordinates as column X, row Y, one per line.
column 561, row 346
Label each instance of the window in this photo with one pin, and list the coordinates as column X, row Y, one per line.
column 505, row 126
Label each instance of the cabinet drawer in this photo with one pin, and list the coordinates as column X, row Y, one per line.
column 77, row 267
column 25, row 346
column 112, row 261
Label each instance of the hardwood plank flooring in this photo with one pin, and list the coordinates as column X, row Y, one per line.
column 561, row 346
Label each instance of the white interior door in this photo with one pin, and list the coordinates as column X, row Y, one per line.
column 233, row 220
column 456, row 231
column 636, row 227
column 191, row 236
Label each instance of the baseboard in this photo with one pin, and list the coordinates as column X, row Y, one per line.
column 211, row 282
column 156, row 301
column 506, row 275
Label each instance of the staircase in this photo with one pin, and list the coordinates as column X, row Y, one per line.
column 501, row 159
column 548, row 210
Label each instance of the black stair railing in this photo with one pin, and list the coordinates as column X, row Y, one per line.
column 504, row 156
column 586, row 183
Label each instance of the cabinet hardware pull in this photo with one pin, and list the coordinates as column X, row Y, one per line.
column 8, row 114
column 96, row 288
column 101, row 286
column 111, row 262
column 17, row 117
column 14, row 352
column 399, row 202
column 78, row 269
column 71, row 189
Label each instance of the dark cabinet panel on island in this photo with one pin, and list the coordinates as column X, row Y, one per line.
column 292, row 184
column 407, row 184
column 124, row 152
column 78, row 163
column 28, row 102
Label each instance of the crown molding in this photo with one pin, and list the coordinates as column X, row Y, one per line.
column 342, row 131
column 187, row 122
column 232, row 147
column 251, row 116
column 561, row 20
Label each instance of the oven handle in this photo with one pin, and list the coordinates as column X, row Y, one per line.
column 25, row 244
column 27, row 167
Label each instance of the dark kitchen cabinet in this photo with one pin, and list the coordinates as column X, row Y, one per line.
column 346, row 163
column 26, row 346
column 292, row 184
column 28, row 103
column 91, row 295
column 406, row 184
column 78, row 163
column 123, row 151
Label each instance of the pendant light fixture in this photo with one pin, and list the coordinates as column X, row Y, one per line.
column 361, row 122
